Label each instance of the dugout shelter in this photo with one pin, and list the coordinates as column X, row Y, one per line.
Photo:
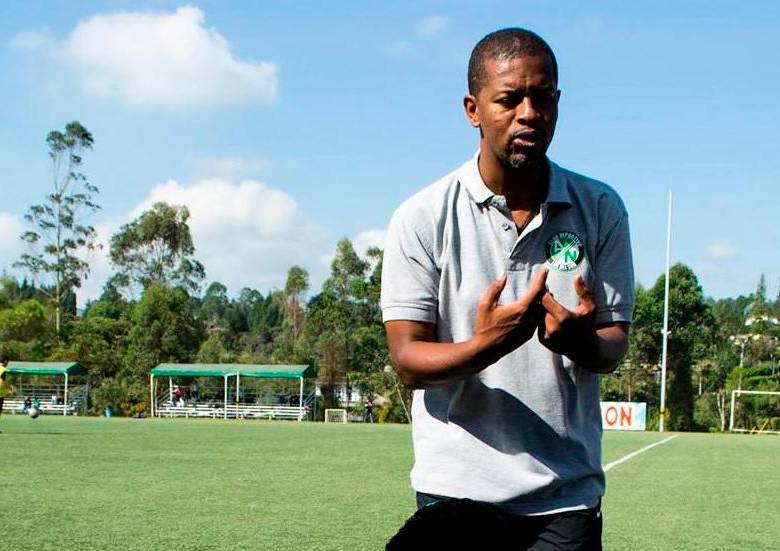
column 233, row 402
column 41, row 381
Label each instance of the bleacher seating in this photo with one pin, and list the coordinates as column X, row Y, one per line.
column 15, row 405
column 249, row 411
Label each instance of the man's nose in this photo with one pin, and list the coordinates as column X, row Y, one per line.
column 526, row 110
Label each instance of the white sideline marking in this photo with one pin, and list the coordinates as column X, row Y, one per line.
column 625, row 458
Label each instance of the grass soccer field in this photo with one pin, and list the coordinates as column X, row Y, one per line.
column 93, row 483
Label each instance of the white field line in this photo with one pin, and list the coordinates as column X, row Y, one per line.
column 625, row 458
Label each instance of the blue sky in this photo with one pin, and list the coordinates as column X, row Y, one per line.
column 287, row 125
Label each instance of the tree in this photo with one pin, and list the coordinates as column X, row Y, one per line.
column 157, row 248
column 690, row 331
column 60, row 233
column 343, row 325
column 297, row 284
column 111, row 303
column 24, row 331
column 213, row 350
column 760, row 301
column 215, row 303
column 163, row 329
column 691, row 334
column 98, row 343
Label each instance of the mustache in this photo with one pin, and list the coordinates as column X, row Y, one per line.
column 530, row 131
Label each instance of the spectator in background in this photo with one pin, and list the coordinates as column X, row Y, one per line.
column 368, row 411
column 179, row 396
column 5, row 387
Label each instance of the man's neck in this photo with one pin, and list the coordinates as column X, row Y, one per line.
column 524, row 188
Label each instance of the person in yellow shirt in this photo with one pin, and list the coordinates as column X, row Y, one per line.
column 5, row 387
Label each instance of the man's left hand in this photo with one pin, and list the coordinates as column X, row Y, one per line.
column 571, row 333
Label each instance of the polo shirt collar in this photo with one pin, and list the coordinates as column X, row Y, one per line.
column 557, row 193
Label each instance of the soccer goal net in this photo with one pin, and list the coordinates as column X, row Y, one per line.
column 755, row 411
column 335, row 415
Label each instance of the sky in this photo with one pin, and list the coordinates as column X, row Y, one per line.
column 285, row 126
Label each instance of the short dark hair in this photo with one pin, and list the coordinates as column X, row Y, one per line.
column 4, row 359
column 506, row 44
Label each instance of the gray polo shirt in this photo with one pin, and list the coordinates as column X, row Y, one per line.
column 526, row 431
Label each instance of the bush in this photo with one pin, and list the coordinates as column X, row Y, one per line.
column 705, row 413
column 111, row 393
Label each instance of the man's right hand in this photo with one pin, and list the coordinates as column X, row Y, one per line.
column 420, row 361
column 500, row 329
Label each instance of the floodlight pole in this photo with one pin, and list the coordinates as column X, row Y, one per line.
column 733, row 404
column 65, row 401
column 151, row 393
column 665, row 337
column 300, row 401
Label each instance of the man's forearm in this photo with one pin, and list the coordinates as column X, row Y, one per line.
column 610, row 347
column 420, row 364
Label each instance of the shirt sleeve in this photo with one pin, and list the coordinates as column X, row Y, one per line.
column 613, row 289
column 410, row 276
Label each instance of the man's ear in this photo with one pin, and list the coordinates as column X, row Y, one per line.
column 472, row 112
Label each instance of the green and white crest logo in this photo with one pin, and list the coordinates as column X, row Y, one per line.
column 564, row 251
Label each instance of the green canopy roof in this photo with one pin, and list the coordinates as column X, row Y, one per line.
column 222, row 370
column 276, row 371
column 194, row 370
column 47, row 368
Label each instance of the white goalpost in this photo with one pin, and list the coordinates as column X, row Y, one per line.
column 335, row 415
column 753, row 423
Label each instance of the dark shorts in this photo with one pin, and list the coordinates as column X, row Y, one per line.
column 572, row 530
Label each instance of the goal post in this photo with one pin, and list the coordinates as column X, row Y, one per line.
column 335, row 415
column 759, row 414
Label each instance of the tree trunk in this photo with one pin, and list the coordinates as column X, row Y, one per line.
column 720, row 400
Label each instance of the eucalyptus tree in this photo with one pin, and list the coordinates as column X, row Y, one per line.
column 296, row 286
column 59, row 232
column 157, row 248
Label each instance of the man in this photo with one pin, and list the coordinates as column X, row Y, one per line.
column 368, row 409
column 5, row 387
column 507, row 288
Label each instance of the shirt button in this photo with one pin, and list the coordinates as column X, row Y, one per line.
column 506, row 226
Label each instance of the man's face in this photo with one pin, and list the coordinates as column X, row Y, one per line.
column 516, row 109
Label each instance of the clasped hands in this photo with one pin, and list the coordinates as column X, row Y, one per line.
column 503, row 328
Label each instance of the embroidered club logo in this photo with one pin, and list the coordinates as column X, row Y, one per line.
column 564, row 251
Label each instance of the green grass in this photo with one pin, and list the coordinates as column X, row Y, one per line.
column 698, row 491
column 90, row 483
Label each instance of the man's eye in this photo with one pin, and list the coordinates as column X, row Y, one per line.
column 543, row 97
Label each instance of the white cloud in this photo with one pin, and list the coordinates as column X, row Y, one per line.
column 158, row 59
column 11, row 227
column 367, row 239
column 12, row 247
column 431, row 26
column 718, row 251
column 246, row 234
